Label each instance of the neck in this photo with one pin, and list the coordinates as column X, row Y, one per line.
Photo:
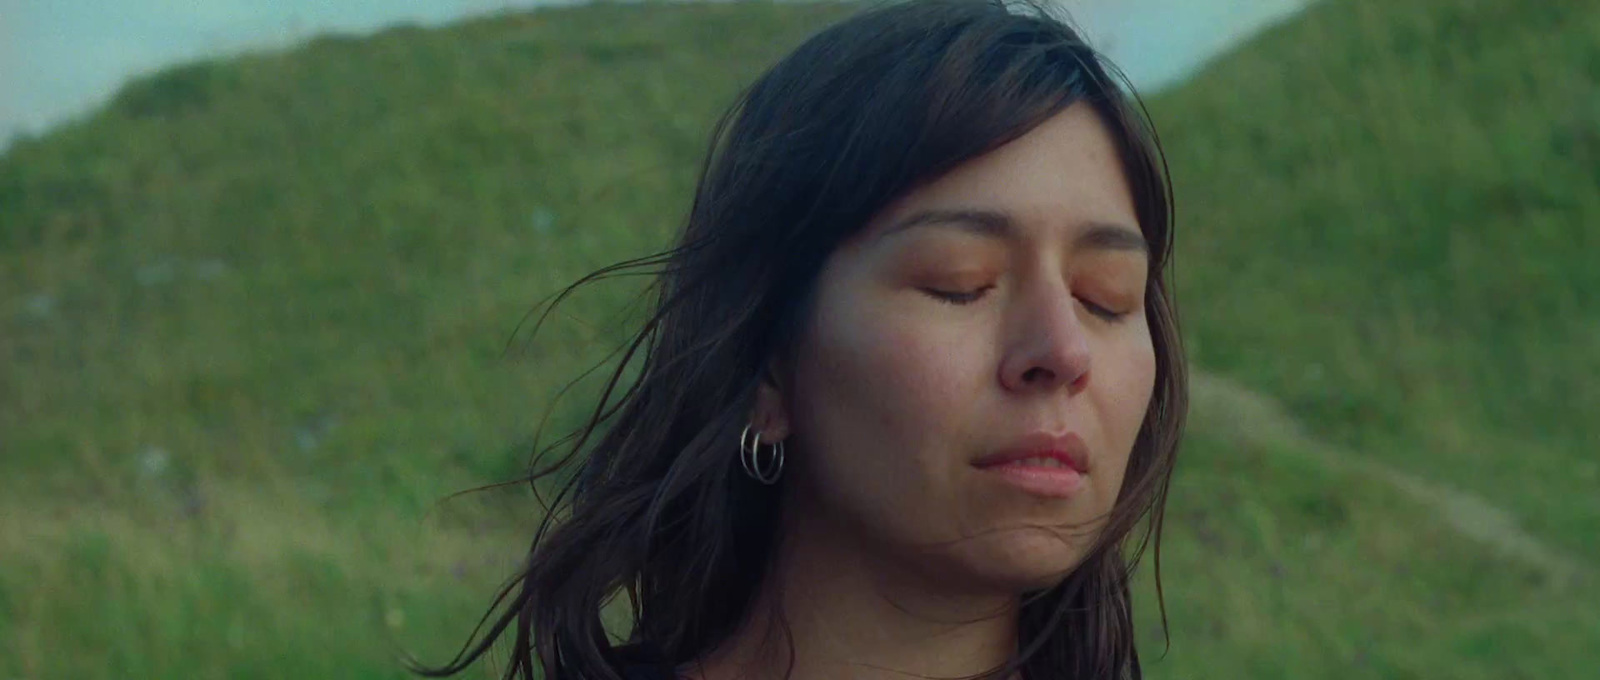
column 853, row 614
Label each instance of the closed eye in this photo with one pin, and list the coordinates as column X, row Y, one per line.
column 957, row 297
column 1102, row 312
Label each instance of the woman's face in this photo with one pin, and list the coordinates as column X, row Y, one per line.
column 976, row 366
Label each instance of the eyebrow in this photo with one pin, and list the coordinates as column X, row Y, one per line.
column 998, row 225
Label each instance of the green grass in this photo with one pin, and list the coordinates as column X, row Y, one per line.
column 254, row 318
column 1391, row 227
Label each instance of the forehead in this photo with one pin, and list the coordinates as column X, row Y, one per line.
column 1063, row 177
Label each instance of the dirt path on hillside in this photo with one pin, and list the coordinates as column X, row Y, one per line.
column 1256, row 418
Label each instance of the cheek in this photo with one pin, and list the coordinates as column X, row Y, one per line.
column 879, row 406
column 1127, row 373
column 875, row 376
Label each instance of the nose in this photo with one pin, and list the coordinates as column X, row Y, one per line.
column 1048, row 348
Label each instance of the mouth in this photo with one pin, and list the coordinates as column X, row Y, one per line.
column 1041, row 464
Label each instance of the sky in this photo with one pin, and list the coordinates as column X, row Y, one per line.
column 60, row 59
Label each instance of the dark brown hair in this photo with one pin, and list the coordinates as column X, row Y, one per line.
column 661, row 511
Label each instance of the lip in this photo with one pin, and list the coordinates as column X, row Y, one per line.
column 1040, row 480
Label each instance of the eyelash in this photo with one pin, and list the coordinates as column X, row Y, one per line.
column 958, row 298
column 1102, row 312
column 962, row 298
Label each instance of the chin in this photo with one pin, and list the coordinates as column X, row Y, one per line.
column 1024, row 560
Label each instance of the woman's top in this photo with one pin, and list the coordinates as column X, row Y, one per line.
column 649, row 673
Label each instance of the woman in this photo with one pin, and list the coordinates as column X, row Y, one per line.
column 912, row 381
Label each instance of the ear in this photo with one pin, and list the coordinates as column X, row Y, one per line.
column 771, row 411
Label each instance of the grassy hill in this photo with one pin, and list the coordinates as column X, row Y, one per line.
column 1393, row 212
column 254, row 318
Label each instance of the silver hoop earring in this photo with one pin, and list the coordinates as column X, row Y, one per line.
column 766, row 471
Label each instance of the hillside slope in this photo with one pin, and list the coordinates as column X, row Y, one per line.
column 1391, row 212
column 253, row 317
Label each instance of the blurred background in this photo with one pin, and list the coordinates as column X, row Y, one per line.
column 262, row 269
